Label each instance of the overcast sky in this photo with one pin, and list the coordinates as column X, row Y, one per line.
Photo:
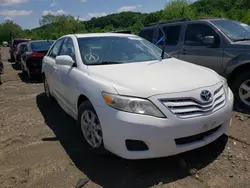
column 27, row 12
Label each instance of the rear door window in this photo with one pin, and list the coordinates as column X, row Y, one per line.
column 172, row 33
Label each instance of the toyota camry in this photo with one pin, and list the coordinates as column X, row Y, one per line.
column 134, row 100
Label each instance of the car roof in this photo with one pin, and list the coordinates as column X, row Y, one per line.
column 180, row 21
column 22, row 39
column 102, row 35
column 34, row 41
column 22, row 43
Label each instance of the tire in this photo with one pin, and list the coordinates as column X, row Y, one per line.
column 86, row 109
column 22, row 68
column 29, row 75
column 237, row 88
column 12, row 58
column 47, row 90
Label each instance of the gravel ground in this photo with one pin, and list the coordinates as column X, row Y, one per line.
column 41, row 146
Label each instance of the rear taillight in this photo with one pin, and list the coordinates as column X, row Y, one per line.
column 36, row 54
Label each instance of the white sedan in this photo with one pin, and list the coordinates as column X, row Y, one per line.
column 133, row 100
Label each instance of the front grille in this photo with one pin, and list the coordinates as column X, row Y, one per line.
column 195, row 138
column 190, row 107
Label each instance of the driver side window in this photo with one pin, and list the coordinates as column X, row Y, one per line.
column 68, row 48
column 56, row 48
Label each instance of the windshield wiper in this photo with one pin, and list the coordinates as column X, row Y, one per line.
column 105, row 63
column 241, row 39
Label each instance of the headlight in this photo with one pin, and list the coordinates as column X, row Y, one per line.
column 225, row 85
column 132, row 105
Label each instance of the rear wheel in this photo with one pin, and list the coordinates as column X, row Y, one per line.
column 22, row 68
column 241, row 90
column 29, row 75
column 91, row 127
column 12, row 58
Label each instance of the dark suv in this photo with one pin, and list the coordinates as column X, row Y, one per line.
column 13, row 46
column 220, row 44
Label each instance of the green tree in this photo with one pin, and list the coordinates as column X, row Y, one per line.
column 9, row 30
column 137, row 26
column 54, row 26
column 178, row 9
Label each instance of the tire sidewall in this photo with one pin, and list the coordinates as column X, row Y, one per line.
column 239, row 104
column 49, row 96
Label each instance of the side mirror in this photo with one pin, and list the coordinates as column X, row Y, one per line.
column 209, row 40
column 64, row 60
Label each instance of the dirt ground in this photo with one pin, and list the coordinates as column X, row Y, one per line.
column 41, row 147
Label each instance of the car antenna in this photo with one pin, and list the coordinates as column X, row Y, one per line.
column 164, row 43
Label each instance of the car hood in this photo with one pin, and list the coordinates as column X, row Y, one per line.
column 152, row 78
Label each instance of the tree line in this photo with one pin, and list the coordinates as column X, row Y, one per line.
column 54, row 26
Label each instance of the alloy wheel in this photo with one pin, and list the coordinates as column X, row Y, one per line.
column 91, row 128
column 244, row 92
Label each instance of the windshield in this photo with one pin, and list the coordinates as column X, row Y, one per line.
column 108, row 50
column 41, row 45
column 232, row 29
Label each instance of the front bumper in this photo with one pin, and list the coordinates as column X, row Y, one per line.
column 160, row 135
column 35, row 71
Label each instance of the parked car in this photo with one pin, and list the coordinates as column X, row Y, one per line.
column 31, row 59
column 121, row 31
column 133, row 100
column 19, row 51
column 219, row 44
column 14, row 44
column 5, row 43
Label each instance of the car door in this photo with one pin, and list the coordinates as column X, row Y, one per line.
column 51, row 70
column 67, row 75
column 195, row 51
column 172, row 45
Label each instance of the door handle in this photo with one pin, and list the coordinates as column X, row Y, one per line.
column 184, row 51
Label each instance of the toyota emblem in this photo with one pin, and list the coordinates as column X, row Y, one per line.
column 206, row 95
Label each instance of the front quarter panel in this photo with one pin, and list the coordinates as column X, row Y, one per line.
column 236, row 62
column 85, row 84
column 91, row 87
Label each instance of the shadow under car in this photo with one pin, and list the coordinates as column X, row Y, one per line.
column 111, row 171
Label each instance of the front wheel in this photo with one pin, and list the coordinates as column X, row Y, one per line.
column 241, row 90
column 46, row 89
column 91, row 127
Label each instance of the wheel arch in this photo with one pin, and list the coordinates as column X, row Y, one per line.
column 43, row 75
column 82, row 98
column 238, row 70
